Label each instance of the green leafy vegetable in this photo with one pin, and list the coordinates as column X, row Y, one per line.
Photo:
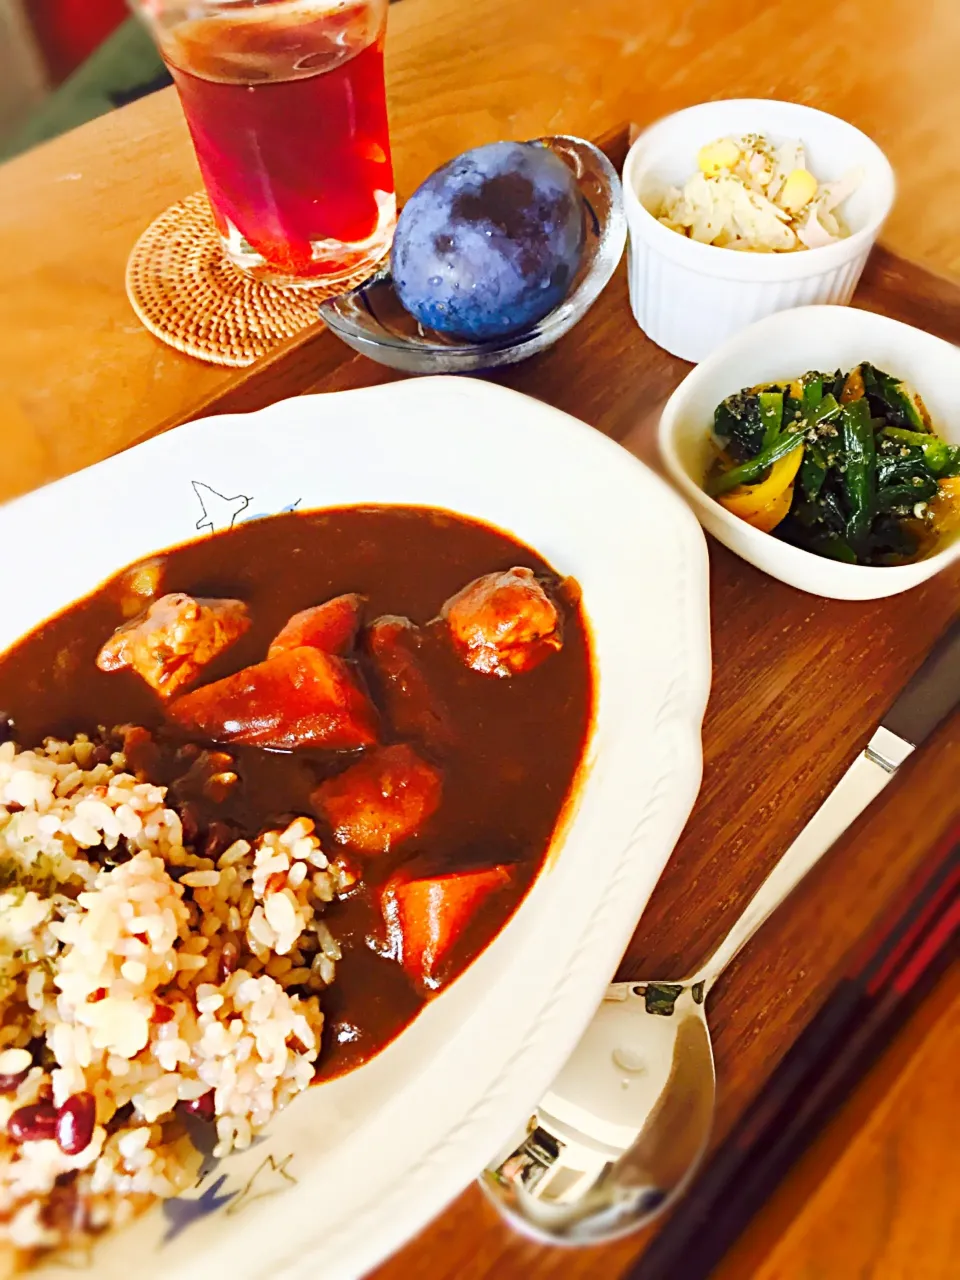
column 892, row 542
column 834, row 548
column 771, row 415
column 824, row 411
column 813, row 471
column 792, row 409
column 898, row 405
column 737, row 421
column 905, row 496
column 750, row 472
column 812, row 384
column 936, row 451
column 833, row 516
column 860, row 477
column 899, row 464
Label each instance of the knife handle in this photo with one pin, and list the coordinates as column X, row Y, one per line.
column 859, row 786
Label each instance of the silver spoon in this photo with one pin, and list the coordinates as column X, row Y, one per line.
column 626, row 1122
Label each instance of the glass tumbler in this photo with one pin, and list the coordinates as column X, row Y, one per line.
column 286, row 106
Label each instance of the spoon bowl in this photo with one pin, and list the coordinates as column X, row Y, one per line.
column 372, row 320
column 624, row 1126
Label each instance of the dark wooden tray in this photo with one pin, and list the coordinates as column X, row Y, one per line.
column 799, row 684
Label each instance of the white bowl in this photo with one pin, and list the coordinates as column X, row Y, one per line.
column 785, row 346
column 356, row 1165
column 689, row 297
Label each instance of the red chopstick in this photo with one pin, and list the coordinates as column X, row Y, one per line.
column 887, row 976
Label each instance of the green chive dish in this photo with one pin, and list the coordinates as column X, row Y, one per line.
column 846, row 464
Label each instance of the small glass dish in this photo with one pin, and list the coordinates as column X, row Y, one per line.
column 371, row 319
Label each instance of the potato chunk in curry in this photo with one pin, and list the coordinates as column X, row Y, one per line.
column 381, row 800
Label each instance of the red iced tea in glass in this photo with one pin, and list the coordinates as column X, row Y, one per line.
column 285, row 102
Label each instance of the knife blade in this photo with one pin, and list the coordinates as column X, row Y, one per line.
column 931, row 695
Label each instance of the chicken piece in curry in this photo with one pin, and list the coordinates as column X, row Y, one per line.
column 504, row 623
column 169, row 644
column 412, row 707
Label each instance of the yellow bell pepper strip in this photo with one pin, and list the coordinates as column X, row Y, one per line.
column 764, row 505
column 942, row 520
column 767, row 519
column 747, row 472
column 946, row 506
column 853, row 388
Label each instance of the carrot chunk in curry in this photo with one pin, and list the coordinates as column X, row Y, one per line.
column 299, row 698
column 331, row 626
column 427, row 915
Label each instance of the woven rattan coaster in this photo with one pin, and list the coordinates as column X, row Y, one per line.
column 190, row 296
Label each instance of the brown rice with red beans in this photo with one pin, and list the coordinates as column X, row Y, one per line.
column 139, row 979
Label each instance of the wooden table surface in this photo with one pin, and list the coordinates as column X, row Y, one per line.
column 875, row 1173
column 799, row 682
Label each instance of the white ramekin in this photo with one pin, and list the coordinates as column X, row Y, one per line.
column 690, row 297
column 776, row 349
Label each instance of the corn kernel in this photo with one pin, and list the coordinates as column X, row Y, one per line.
column 722, row 154
column 798, row 190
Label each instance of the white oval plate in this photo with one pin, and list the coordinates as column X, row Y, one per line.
column 356, row 1166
